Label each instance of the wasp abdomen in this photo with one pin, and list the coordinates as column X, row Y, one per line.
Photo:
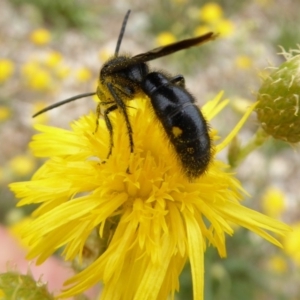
column 182, row 120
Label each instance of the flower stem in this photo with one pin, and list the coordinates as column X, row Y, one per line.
column 259, row 138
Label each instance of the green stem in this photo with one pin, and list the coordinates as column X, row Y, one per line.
column 259, row 138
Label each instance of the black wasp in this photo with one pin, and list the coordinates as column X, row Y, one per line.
column 122, row 77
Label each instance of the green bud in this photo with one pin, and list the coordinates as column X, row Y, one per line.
column 279, row 102
column 15, row 286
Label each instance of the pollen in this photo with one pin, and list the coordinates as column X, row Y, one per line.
column 190, row 150
column 176, row 131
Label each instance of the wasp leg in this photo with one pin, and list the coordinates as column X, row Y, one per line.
column 122, row 106
column 98, row 113
column 109, row 127
column 179, row 80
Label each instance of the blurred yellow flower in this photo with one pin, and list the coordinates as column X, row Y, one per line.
column 165, row 38
column 53, row 59
column 83, row 74
column 62, row 71
column 104, row 55
column 2, row 295
column 22, row 164
column 202, row 29
column 211, row 12
column 243, row 62
column 30, row 67
column 40, row 36
column 224, row 27
column 291, row 243
column 6, row 69
column 40, row 81
column 42, row 118
column 278, row 264
column 273, row 202
column 36, row 77
column 5, row 113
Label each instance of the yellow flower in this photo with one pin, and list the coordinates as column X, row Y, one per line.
column 6, row 69
column 150, row 218
column 29, row 68
column 104, row 55
column 243, row 62
column 165, row 38
column 36, row 76
column 40, row 36
column 22, row 164
column 5, row 113
column 224, row 27
column 41, row 119
column 62, row 71
column 292, row 243
column 273, row 202
column 53, row 59
column 83, row 74
column 211, row 12
column 41, row 80
column 201, row 30
column 278, row 264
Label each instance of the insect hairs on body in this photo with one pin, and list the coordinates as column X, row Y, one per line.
column 122, row 78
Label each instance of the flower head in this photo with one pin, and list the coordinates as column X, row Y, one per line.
column 165, row 38
column 278, row 101
column 40, row 36
column 22, row 164
column 36, row 76
column 5, row 113
column 292, row 243
column 6, row 69
column 83, row 74
column 273, row 202
column 150, row 218
column 211, row 12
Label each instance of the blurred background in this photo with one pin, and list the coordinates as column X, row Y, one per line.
column 52, row 50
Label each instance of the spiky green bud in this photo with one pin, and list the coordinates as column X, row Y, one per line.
column 278, row 110
column 15, row 286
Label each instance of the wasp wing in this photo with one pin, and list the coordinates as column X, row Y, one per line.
column 174, row 47
column 163, row 51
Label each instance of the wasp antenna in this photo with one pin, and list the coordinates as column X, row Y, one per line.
column 122, row 32
column 63, row 102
